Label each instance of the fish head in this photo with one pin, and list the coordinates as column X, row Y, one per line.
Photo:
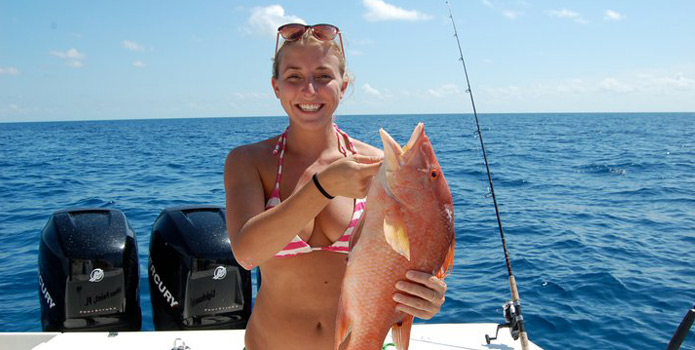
column 411, row 174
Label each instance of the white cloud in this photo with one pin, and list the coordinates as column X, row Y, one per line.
column 266, row 20
column 610, row 15
column 444, row 90
column 72, row 56
column 138, row 64
column 75, row 64
column 249, row 95
column 363, row 41
column 371, row 91
column 569, row 14
column 676, row 81
column 379, row 10
column 507, row 13
column 132, row 46
column 615, row 85
column 11, row 109
column 9, row 71
column 511, row 14
column 636, row 84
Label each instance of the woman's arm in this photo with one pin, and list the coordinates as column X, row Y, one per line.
column 257, row 235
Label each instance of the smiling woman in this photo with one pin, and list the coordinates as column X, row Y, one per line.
column 294, row 200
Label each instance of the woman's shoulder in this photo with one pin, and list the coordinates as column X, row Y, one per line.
column 252, row 153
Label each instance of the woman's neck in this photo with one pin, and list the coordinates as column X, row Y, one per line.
column 312, row 143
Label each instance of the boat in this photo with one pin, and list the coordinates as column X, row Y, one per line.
column 201, row 297
column 467, row 336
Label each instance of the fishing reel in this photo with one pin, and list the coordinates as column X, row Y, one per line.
column 514, row 321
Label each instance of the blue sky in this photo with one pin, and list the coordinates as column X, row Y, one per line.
column 78, row 60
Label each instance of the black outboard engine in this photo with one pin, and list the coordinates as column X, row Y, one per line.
column 195, row 282
column 88, row 272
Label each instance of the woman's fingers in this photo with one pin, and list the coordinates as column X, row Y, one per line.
column 405, row 306
column 430, row 281
column 359, row 158
column 350, row 176
column 422, row 296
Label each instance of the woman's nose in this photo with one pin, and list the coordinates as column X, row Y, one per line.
column 309, row 87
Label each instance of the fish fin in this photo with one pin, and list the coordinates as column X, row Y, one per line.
column 396, row 234
column 448, row 264
column 343, row 327
column 400, row 332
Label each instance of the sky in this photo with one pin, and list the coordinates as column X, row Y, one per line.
column 95, row 60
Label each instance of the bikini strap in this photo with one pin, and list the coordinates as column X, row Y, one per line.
column 280, row 147
column 282, row 140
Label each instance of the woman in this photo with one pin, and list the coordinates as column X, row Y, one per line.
column 281, row 214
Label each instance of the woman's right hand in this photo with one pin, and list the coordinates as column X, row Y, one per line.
column 350, row 176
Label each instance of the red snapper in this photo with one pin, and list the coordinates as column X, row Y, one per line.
column 408, row 223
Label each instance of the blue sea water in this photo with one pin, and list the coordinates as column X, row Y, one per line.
column 598, row 209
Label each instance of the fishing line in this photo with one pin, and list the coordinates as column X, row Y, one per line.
column 512, row 311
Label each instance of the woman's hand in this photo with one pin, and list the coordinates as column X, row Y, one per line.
column 350, row 176
column 422, row 296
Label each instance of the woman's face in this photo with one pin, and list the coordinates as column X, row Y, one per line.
column 309, row 83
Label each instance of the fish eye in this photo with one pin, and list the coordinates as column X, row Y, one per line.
column 434, row 174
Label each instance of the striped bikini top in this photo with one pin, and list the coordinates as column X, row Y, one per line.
column 298, row 246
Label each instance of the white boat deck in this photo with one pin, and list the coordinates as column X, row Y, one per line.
column 470, row 336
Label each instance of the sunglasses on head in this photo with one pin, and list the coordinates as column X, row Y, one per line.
column 294, row 31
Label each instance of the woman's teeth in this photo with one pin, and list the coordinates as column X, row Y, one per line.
column 309, row 107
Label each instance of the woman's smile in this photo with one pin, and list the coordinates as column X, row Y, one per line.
column 309, row 107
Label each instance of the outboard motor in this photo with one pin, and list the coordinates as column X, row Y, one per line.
column 195, row 282
column 88, row 272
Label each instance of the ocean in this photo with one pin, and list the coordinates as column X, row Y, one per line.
column 598, row 209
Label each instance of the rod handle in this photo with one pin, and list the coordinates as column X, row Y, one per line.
column 523, row 337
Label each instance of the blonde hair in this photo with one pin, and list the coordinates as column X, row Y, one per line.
column 309, row 39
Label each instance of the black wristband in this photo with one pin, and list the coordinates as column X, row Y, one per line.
column 318, row 185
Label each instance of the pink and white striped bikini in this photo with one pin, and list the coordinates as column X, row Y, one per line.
column 298, row 246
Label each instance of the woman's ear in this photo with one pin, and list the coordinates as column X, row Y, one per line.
column 274, row 83
column 344, row 85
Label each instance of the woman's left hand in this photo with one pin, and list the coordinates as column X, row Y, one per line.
column 422, row 296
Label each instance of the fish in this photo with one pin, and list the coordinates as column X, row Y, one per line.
column 408, row 224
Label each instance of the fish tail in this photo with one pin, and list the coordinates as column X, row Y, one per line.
column 448, row 264
column 400, row 332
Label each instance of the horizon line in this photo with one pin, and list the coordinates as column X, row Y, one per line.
column 338, row 116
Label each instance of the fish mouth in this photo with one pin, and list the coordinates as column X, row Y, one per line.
column 392, row 152
column 392, row 162
column 415, row 140
column 396, row 156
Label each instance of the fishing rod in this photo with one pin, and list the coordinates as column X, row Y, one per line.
column 512, row 310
